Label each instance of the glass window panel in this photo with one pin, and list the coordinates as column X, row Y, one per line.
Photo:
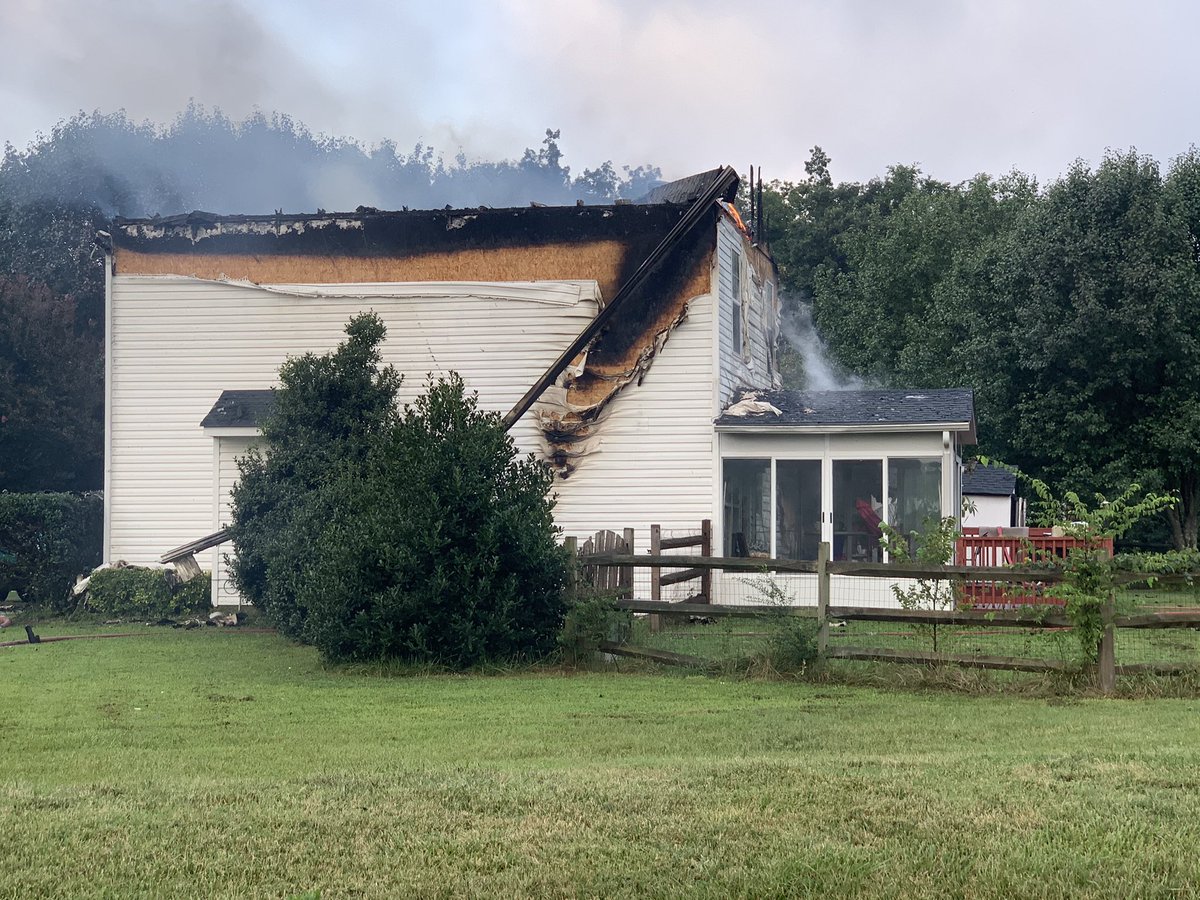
column 857, row 509
column 797, row 508
column 914, row 495
column 747, row 493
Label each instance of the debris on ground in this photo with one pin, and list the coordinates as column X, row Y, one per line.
column 215, row 619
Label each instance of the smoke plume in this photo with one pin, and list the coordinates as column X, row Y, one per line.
column 820, row 373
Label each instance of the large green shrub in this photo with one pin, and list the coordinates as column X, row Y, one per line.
column 137, row 592
column 371, row 534
column 46, row 540
column 327, row 410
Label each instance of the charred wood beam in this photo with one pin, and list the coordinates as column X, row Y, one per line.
column 725, row 179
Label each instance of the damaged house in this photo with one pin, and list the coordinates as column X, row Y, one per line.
column 631, row 346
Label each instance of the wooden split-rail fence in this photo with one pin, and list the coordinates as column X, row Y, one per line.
column 619, row 579
column 824, row 569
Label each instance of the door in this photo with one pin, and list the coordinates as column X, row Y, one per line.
column 798, row 516
column 857, row 510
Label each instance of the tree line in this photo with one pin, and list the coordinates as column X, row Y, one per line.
column 1073, row 309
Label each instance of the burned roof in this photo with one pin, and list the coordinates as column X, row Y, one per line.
column 368, row 231
column 953, row 408
column 988, row 481
column 687, row 190
column 240, row 409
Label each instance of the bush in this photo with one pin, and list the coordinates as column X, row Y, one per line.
column 792, row 645
column 46, row 540
column 371, row 534
column 147, row 593
column 590, row 620
column 1170, row 563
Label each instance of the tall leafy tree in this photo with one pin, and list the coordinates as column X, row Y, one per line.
column 51, row 392
column 1074, row 311
column 1104, row 280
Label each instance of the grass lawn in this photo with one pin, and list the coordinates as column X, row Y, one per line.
column 213, row 763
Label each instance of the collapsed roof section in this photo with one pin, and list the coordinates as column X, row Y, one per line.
column 673, row 226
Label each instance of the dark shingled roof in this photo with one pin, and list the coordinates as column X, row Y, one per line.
column 989, row 481
column 848, row 408
column 239, row 409
column 685, row 190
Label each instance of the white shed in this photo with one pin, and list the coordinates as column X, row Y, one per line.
column 991, row 498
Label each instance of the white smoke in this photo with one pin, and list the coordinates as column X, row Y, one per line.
column 820, row 372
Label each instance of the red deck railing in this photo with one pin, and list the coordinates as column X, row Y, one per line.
column 1014, row 549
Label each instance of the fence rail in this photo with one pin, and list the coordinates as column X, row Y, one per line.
column 1028, row 618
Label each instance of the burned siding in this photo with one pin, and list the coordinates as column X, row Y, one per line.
column 570, row 412
column 604, row 244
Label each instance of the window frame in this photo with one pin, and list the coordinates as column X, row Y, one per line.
column 826, row 460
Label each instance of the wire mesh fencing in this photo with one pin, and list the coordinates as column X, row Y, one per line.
column 726, row 609
column 1167, row 646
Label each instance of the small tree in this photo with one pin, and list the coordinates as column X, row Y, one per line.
column 375, row 534
column 1089, row 570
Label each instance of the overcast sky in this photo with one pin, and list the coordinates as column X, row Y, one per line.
column 958, row 87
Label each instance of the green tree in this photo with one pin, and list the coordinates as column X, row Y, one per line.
column 373, row 534
column 51, row 392
column 328, row 410
column 1104, row 280
column 1074, row 312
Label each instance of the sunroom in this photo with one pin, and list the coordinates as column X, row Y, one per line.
column 799, row 468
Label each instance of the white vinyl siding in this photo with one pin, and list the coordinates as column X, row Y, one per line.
column 737, row 368
column 228, row 449
column 657, row 444
column 989, row 511
column 177, row 343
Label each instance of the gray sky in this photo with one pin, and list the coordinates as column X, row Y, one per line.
column 958, row 87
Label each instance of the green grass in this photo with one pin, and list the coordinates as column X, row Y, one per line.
column 215, row 763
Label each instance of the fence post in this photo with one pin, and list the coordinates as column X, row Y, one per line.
column 706, row 549
column 571, row 543
column 626, row 578
column 1106, row 655
column 822, row 600
column 655, row 572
